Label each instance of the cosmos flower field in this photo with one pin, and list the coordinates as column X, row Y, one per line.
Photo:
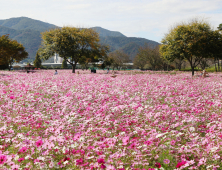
column 142, row 121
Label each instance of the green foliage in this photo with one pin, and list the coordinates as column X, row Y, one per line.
column 220, row 27
column 11, row 51
column 37, row 62
column 27, row 31
column 72, row 44
column 192, row 41
column 64, row 64
column 190, row 69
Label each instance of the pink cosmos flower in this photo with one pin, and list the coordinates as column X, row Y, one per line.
column 166, row 161
column 77, row 136
column 101, row 161
column 125, row 140
column 148, row 142
column 21, row 159
column 12, row 97
column 15, row 167
column 79, row 161
column 172, row 142
column 3, row 159
column 158, row 165
column 179, row 164
column 103, row 166
column 39, row 143
column 23, row 149
column 36, row 160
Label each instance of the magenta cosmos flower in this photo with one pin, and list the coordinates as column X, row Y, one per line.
column 39, row 143
column 3, row 159
column 23, row 149
column 158, row 165
column 101, row 161
column 179, row 164
column 12, row 97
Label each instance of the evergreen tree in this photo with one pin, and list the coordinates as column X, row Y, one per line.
column 37, row 62
column 64, row 64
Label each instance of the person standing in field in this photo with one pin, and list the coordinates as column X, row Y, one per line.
column 55, row 72
column 107, row 70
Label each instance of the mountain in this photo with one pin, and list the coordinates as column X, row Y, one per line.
column 22, row 23
column 130, row 45
column 105, row 33
column 28, row 32
column 30, row 39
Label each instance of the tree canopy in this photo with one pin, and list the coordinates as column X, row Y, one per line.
column 220, row 27
column 118, row 58
column 72, row 44
column 11, row 51
column 192, row 41
column 148, row 55
column 64, row 64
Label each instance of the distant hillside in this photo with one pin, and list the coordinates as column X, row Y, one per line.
column 22, row 23
column 104, row 32
column 28, row 32
column 129, row 45
column 29, row 38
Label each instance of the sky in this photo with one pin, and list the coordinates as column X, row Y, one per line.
column 150, row 19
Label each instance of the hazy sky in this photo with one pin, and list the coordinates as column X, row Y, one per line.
column 134, row 18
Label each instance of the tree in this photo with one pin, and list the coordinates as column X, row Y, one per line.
column 148, row 55
column 11, row 51
column 220, row 27
column 141, row 59
column 37, row 62
column 64, row 64
column 119, row 58
column 71, row 44
column 191, row 41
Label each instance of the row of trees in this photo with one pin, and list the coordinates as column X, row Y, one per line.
column 194, row 42
column 77, row 45
column 10, row 51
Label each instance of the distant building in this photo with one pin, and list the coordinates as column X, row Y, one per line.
column 57, row 59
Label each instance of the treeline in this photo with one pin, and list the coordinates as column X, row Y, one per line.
column 194, row 42
column 149, row 58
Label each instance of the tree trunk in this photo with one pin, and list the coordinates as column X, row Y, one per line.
column 215, row 67
column 73, row 67
column 9, row 67
column 218, row 65
column 192, row 71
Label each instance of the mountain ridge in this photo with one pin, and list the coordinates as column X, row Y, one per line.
column 28, row 32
